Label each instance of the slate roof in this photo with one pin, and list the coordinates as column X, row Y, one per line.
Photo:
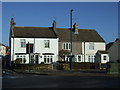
column 2, row 44
column 109, row 45
column 34, row 32
column 102, row 51
column 85, row 35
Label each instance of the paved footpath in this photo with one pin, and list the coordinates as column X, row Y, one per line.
column 65, row 73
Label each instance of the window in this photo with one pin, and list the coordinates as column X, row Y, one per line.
column 48, row 58
column 47, row 43
column 23, row 43
column 79, row 58
column 22, row 57
column 66, row 46
column 68, row 59
column 104, row 58
column 91, row 58
column 91, row 46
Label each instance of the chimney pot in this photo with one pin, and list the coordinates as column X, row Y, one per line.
column 76, row 28
column 54, row 25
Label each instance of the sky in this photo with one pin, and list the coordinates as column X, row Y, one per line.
column 101, row 16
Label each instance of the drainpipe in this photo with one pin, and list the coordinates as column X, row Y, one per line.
column 84, row 51
column 13, row 49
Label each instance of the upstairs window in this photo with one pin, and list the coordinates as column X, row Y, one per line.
column 66, row 46
column 91, row 46
column 47, row 43
column 23, row 43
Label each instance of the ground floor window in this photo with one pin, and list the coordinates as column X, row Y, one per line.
column 79, row 58
column 68, row 59
column 21, row 58
column 91, row 59
column 48, row 58
column 104, row 57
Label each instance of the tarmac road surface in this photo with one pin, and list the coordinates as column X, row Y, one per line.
column 47, row 81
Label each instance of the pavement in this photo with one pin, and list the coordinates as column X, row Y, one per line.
column 89, row 72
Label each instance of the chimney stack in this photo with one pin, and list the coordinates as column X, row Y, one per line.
column 12, row 23
column 54, row 25
column 76, row 28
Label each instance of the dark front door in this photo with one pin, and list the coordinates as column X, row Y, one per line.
column 36, row 59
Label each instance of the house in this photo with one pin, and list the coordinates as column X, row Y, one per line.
column 2, row 50
column 85, row 43
column 4, row 55
column 51, row 44
column 42, row 43
column 113, row 49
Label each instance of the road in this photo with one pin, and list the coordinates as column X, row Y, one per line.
column 46, row 81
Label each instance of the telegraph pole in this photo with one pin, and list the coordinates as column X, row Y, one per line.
column 71, row 63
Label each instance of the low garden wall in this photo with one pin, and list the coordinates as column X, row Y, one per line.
column 77, row 66
column 57, row 66
column 34, row 66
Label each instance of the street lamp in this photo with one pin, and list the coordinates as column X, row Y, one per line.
column 71, row 37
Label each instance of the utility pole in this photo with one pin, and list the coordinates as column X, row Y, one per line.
column 71, row 63
column 28, row 52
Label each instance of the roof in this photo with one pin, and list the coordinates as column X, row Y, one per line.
column 85, row 35
column 117, row 40
column 102, row 51
column 2, row 44
column 109, row 45
column 34, row 32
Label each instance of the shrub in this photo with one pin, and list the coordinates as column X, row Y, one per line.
column 18, row 61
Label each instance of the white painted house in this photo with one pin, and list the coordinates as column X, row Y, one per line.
column 44, row 43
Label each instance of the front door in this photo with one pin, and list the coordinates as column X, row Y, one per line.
column 36, row 59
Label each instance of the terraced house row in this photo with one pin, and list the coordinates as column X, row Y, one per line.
column 51, row 44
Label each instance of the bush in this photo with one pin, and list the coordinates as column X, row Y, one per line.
column 18, row 61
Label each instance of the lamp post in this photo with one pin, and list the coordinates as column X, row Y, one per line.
column 71, row 64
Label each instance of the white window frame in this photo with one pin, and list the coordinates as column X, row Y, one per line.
column 66, row 46
column 47, row 43
column 67, row 59
column 22, row 57
column 91, row 46
column 91, row 59
column 104, row 57
column 22, row 43
column 48, row 59
column 78, row 58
